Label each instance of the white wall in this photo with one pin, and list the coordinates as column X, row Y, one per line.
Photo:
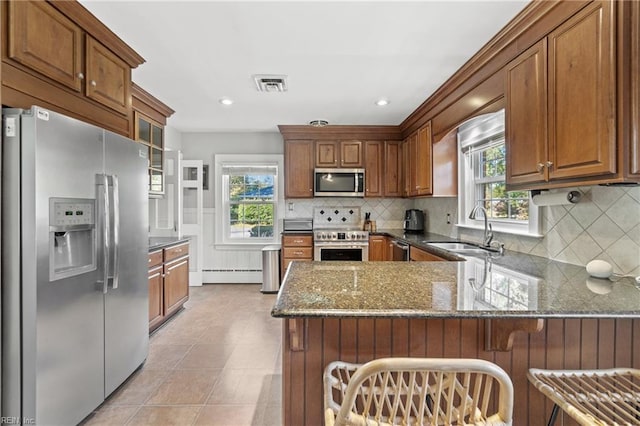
column 172, row 139
column 227, row 265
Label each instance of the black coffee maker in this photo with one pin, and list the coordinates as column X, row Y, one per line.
column 414, row 220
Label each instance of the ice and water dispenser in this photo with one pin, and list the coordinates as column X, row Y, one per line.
column 72, row 237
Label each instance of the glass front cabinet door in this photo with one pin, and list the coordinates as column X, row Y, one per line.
column 151, row 133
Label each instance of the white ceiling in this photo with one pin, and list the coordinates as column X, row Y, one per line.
column 340, row 57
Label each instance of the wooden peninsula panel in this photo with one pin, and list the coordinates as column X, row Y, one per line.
column 563, row 343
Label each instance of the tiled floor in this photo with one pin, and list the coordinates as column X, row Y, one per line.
column 216, row 363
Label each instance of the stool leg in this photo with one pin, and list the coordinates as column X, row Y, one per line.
column 554, row 414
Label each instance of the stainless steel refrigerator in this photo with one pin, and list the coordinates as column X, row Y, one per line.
column 74, row 267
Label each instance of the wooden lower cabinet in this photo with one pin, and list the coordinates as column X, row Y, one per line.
column 573, row 343
column 378, row 248
column 176, row 284
column 168, row 283
column 419, row 255
column 295, row 247
column 156, row 302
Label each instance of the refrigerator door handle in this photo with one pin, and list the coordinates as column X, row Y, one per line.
column 116, row 231
column 106, row 231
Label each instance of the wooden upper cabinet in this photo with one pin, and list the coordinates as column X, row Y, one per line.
column 392, row 170
column 634, row 157
column 351, row 154
column 561, row 103
column 334, row 153
column 373, row 157
column 108, row 78
column 406, row 172
column 582, row 94
column 298, row 167
column 416, row 154
column 445, row 165
column 44, row 40
column 526, row 116
column 327, row 153
column 423, row 172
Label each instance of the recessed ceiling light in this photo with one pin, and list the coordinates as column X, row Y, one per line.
column 225, row 101
column 382, row 102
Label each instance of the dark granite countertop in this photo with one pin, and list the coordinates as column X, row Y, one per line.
column 158, row 243
column 517, row 285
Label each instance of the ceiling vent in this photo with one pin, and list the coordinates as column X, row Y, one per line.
column 318, row 123
column 270, row 83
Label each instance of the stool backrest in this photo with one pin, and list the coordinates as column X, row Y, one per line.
column 433, row 391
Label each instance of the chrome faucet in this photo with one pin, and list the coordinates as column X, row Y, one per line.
column 488, row 232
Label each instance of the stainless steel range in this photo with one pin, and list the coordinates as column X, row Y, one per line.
column 337, row 234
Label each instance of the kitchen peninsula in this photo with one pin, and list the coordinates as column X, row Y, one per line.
column 528, row 312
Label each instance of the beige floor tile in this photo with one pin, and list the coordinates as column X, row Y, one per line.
column 165, row 357
column 241, row 386
column 272, row 415
column 160, row 416
column 185, row 387
column 206, row 356
column 229, row 415
column 111, row 415
column 256, row 354
column 138, row 388
column 223, row 330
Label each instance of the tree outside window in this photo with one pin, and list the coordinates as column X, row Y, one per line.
column 251, row 206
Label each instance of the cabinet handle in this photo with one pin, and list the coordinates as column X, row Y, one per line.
column 549, row 164
column 93, row 83
column 298, row 241
column 81, row 76
column 297, row 252
column 540, row 167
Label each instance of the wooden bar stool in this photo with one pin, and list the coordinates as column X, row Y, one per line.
column 408, row 391
column 592, row 397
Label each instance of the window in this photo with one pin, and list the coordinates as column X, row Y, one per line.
column 247, row 203
column 482, row 179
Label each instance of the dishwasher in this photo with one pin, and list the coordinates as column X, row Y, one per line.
column 400, row 251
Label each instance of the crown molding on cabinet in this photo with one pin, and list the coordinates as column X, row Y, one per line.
column 341, row 132
column 89, row 23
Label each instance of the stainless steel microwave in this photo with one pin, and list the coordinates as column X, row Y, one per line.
column 338, row 183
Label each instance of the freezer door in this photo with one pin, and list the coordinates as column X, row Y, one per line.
column 127, row 298
column 60, row 322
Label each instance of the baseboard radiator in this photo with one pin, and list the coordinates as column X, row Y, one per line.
column 232, row 275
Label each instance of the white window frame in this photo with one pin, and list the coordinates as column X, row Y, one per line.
column 467, row 190
column 222, row 196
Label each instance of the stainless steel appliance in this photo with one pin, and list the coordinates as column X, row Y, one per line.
column 337, row 234
column 297, row 225
column 414, row 220
column 74, row 276
column 332, row 244
column 339, row 183
column 400, row 251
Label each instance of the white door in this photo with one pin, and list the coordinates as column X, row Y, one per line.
column 165, row 214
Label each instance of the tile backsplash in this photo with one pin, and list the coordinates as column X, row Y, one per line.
column 605, row 224
column 387, row 212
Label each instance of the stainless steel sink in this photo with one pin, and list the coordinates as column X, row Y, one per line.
column 460, row 247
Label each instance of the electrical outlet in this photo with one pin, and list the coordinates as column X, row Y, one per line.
column 448, row 218
column 290, row 207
